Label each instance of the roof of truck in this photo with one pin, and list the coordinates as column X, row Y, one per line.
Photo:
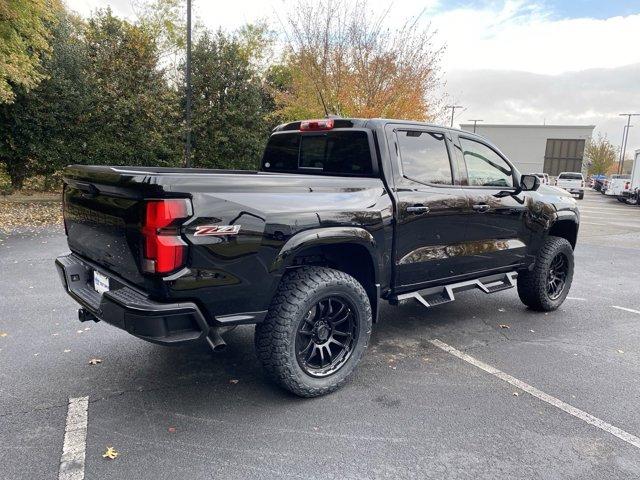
column 368, row 123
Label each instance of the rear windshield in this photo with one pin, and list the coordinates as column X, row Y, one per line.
column 329, row 153
column 571, row 176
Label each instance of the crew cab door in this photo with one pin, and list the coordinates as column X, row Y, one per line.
column 431, row 207
column 496, row 233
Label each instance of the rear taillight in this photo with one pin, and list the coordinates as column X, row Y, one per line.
column 583, row 184
column 164, row 249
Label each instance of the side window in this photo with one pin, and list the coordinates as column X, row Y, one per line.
column 485, row 167
column 425, row 157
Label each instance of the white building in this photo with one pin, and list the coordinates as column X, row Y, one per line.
column 539, row 148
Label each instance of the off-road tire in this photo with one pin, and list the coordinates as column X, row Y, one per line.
column 275, row 337
column 532, row 284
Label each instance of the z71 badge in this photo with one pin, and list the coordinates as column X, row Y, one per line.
column 216, row 230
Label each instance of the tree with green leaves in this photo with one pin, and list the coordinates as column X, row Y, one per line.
column 600, row 154
column 104, row 101
column 25, row 31
column 134, row 117
column 230, row 104
column 45, row 127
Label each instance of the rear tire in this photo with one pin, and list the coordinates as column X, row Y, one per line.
column 546, row 286
column 318, row 315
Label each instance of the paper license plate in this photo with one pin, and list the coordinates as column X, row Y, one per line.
column 100, row 282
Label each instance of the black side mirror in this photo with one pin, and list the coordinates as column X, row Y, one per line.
column 529, row 183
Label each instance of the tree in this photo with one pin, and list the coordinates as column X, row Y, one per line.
column 343, row 59
column 135, row 116
column 230, row 107
column 165, row 21
column 601, row 154
column 45, row 126
column 104, row 101
column 24, row 42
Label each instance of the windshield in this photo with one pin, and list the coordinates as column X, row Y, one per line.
column 329, row 153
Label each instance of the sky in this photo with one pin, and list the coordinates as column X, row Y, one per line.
column 506, row 61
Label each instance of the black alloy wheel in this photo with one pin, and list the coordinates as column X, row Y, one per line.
column 557, row 276
column 326, row 336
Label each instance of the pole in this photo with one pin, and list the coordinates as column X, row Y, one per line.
column 625, row 138
column 620, row 158
column 475, row 122
column 187, row 146
column 453, row 111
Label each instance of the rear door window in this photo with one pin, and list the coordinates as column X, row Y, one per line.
column 425, row 157
column 331, row 153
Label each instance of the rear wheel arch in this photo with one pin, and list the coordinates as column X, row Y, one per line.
column 350, row 250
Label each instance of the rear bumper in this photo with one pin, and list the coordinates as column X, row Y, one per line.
column 129, row 309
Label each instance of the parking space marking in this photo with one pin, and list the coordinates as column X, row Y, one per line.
column 611, row 224
column 577, row 298
column 626, row 309
column 75, row 440
column 565, row 407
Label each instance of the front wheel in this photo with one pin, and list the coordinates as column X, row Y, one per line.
column 546, row 286
column 316, row 331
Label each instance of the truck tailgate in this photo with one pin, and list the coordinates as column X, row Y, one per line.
column 103, row 224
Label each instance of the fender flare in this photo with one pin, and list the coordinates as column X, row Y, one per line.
column 326, row 236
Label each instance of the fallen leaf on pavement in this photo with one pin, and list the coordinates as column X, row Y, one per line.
column 3, row 334
column 620, row 351
column 502, row 325
column 172, row 429
column 515, row 394
column 66, row 350
column 501, row 310
column 95, row 361
column 111, row 454
column 233, row 381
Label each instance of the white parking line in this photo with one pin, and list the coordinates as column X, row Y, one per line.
column 611, row 224
column 565, row 407
column 577, row 298
column 75, row 439
column 626, row 309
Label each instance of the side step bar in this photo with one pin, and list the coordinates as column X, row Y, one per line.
column 430, row 297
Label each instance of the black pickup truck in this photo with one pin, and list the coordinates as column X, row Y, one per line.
column 343, row 214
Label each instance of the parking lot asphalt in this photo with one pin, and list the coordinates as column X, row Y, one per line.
column 413, row 410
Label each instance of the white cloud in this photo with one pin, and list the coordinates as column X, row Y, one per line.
column 588, row 97
column 524, row 37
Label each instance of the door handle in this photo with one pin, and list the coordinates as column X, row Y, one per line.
column 417, row 209
column 482, row 207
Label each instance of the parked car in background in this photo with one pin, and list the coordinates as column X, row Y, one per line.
column 572, row 182
column 544, row 178
column 630, row 195
column 598, row 182
column 617, row 184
